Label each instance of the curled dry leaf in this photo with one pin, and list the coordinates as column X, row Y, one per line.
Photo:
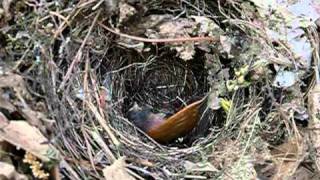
column 175, row 28
column 117, row 171
column 170, row 27
column 22, row 135
column 314, row 124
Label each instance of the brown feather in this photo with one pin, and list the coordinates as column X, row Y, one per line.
column 178, row 124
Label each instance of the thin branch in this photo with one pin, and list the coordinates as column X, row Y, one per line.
column 167, row 40
column 77, row 57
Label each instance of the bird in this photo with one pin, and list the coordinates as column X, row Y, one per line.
column 165, row 128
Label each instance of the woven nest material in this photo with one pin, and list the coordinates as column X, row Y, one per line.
column 161, row 83
column 164, row 84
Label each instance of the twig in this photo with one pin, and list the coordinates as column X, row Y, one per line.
column 88, row 148
column 103, row 145
column 167, row 40
column 66, row 20
column 69, row 169
column 103, row 123
column 144, row 171
column 79, row 54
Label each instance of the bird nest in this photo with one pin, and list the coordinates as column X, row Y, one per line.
column 91, row 82
column 84, row 61
column 93, row 106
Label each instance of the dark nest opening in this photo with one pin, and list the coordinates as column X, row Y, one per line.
column 163, row 83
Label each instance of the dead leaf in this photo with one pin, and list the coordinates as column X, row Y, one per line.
column 37, row 119
column 287, row 158
column 201, row 167
column 295, row 108
column 181, row 27
column 285, row 79
column 16, row 82
column 117, row 171
column 125, row 11
column 10, row 80
column 7, row 171
column 3, row 121
column 23, row 135
column 206, row 26
column 6, row 7
column 226, row 153
column 6, row 104
column 226, row 44
column 314, row 124
column 185, row 51
column 304, row 174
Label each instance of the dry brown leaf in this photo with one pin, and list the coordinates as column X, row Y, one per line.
column 185, row 51
column 181, row 27
column 178, row 28
column 23, row 135
column 5, row 104
column 226, row 44
column 314, row 124
column 3, row 121
column 226, row 153
column 287, row 158
column 117, row 171
column 7, row 171
column 37, row 119
column 314, row 103
column 303, row 173
column 16, row 82
column 10, row 80
column 206, row 25
column 125, row 11
column 200, row 167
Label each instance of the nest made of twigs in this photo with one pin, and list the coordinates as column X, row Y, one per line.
column 163, row 83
